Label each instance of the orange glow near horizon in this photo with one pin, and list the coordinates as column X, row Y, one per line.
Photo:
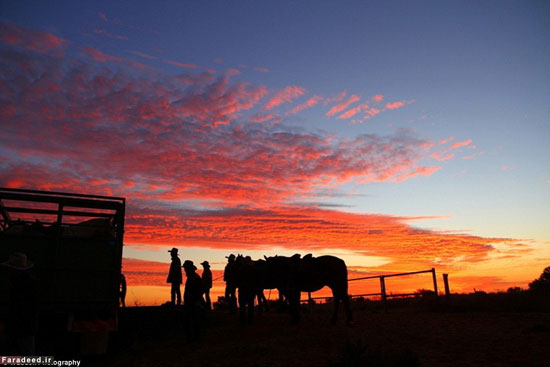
column 219, row 159
column 147, row 283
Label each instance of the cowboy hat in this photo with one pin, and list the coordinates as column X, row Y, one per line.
column 205, row 263
column 188, row 264
column 18, row 261
column 173, row 250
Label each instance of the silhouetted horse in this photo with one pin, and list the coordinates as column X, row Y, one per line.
column 247, row 279
column 261, row 273
column 309, row 274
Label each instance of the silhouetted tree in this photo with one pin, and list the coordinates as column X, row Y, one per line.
column 542, row 284
column 514, row 290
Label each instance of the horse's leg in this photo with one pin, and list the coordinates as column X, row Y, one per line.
column 281, row 295
column 263, row 301
column 336, row 299
column 243, row 302
column 251, row 308
column 347, row 308
column 294, row 305
column 258, row 296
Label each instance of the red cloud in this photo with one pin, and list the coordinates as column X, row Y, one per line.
column 339, row 98
column 352, row 112
column 99, row 56
column 394, row 105
column 445, row 141
column 426, row 171
column 259, row 118
column 445, row 154
column 307, row 104
column 182, row 65
column 170, row 146
column 377, row 98
column 342, row 106
column 372, row 112
column 177, row 142
column 286, row 95
column 29, row 39
column 194, row 78
column 144, row 55
column 219, row 102
column 232, row 72
column 461, row 144
column 310, row 229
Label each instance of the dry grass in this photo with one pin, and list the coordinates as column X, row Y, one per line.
column 407, row 334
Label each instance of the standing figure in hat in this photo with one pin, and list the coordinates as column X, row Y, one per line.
column 206, row 283
column 22, row 320
column 230, row 286
column 192, row 301
column 174, row 277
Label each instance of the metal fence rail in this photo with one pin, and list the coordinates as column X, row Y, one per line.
column 382, row 278
column 383, row 294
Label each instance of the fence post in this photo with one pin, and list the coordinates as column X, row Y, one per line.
column 383, row 288
column 435, row 281
column 446, row 282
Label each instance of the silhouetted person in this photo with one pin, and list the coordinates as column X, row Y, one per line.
column 22, row 321
column 192, row 301
column 174, row 277
column 206, row 283
column 122, row 290
column 230, row 286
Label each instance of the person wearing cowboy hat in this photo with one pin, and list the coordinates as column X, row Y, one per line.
column 22, row 321
column 230, row 287
column 175, row 277
column 206, row 283
column 192, row 301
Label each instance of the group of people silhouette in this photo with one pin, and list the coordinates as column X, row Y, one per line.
column 196, row 286
column 196, row 294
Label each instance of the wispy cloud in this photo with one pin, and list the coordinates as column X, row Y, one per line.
column 337, row 98
column 263, row 117
column 426, row 171
column 284, row 96
column 168, row 141
column 395, row 105
column 461, row 144
column 304, row 106
column 342, row 106
column 377, row 98
column 37, row 41
column 100, row 56
column 105, row 33
column 143, row 55
column 368, row 110
column 182, row 64
column 353, row 111
column 446, row 154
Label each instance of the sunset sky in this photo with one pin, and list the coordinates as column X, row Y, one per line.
column 397, row 135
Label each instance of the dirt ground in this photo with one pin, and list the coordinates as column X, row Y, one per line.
column 377, row 337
